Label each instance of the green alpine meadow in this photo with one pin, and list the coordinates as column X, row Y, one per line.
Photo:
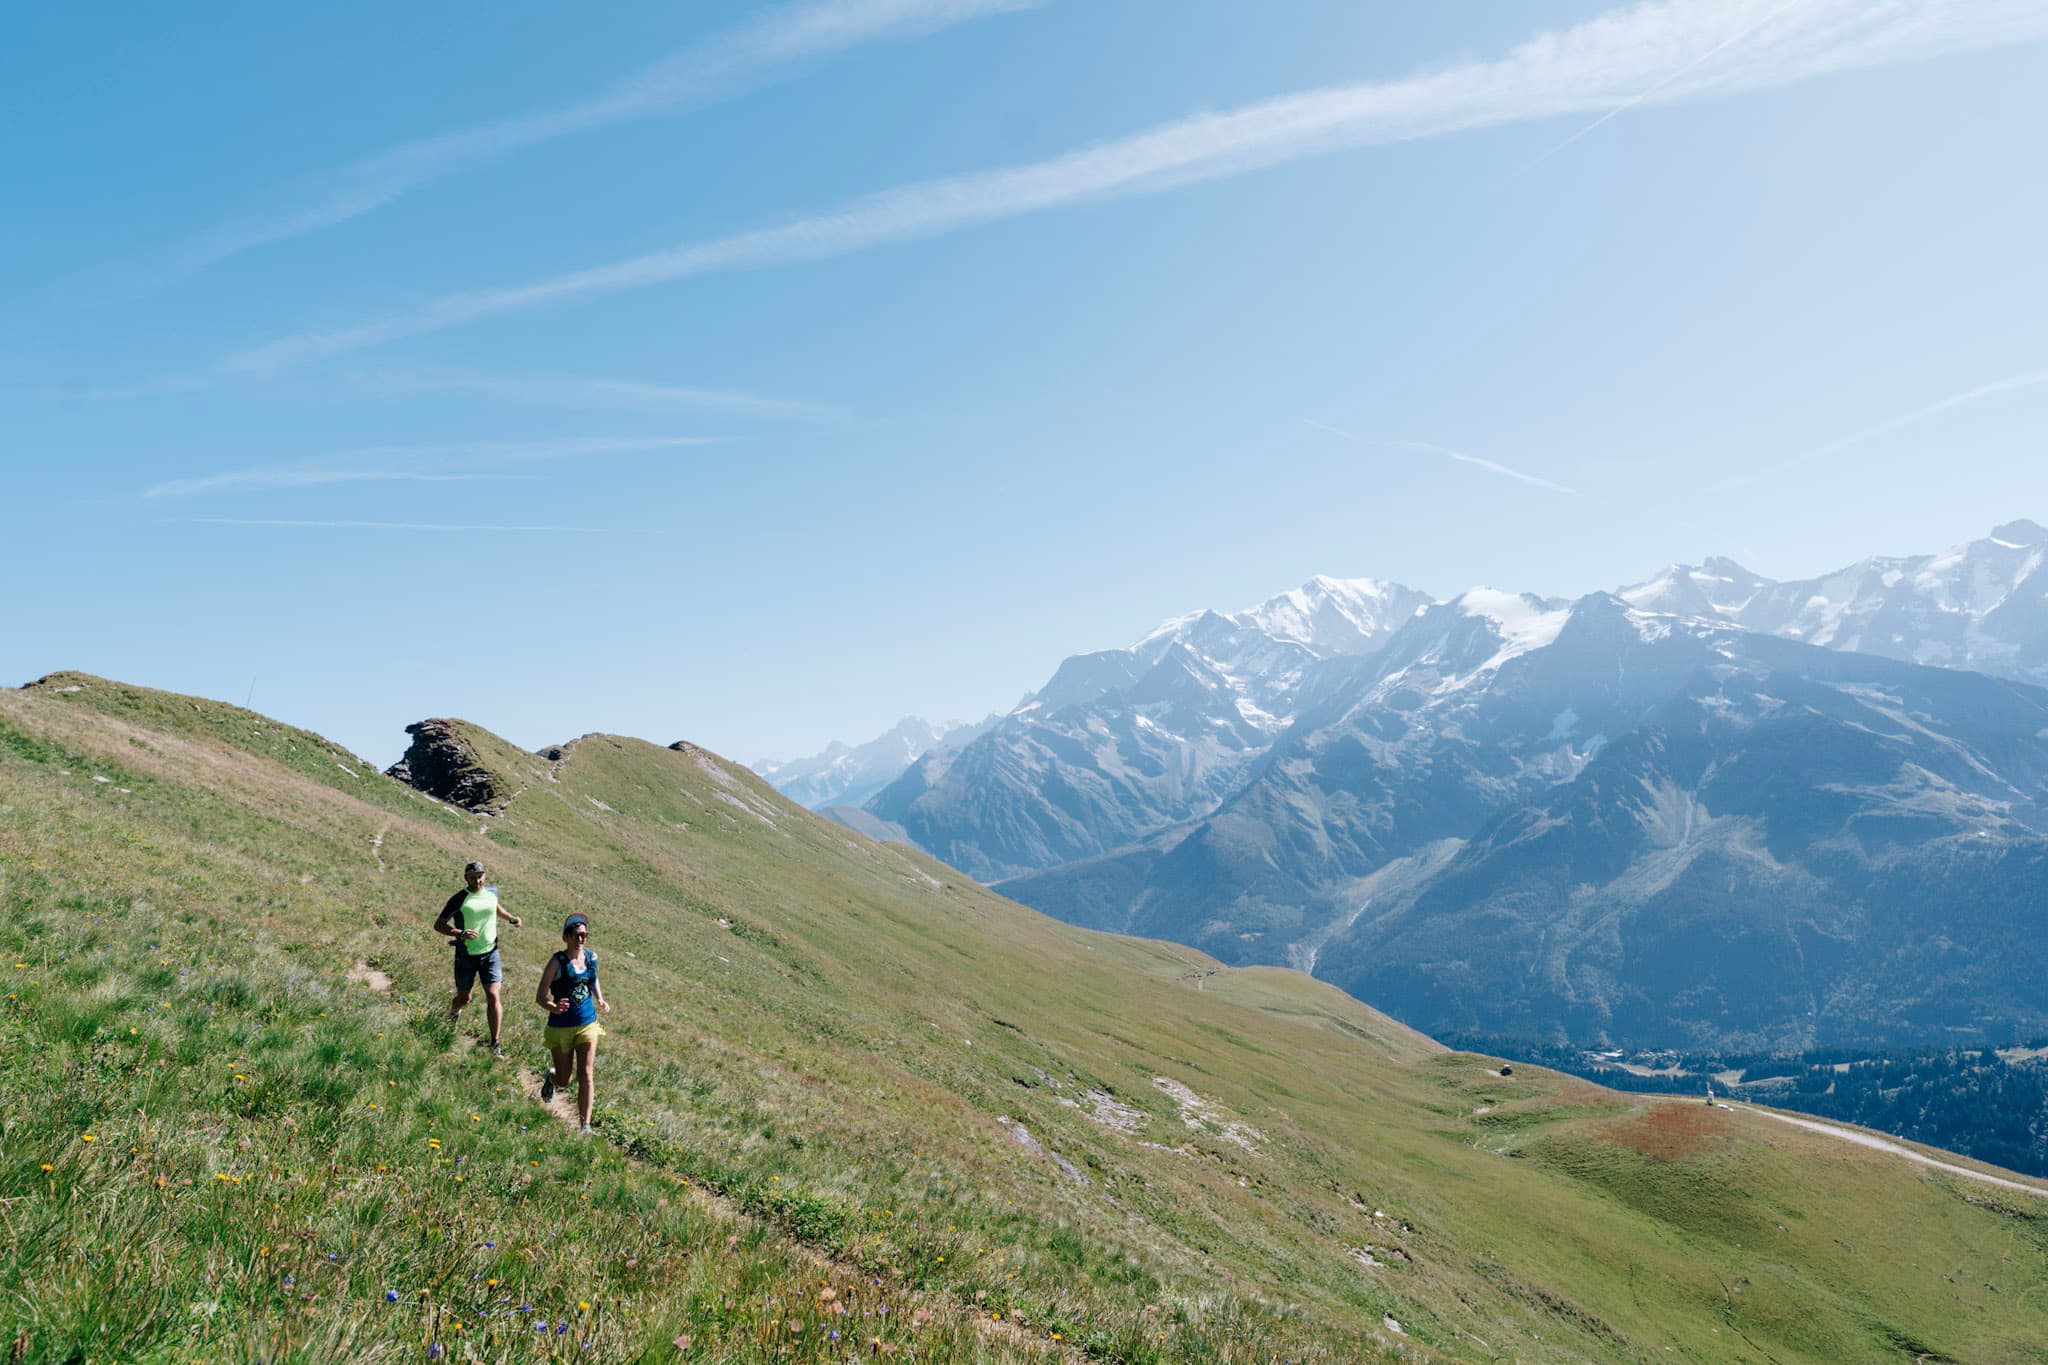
column 850, row 1105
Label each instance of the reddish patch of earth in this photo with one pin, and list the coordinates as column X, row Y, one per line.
column 1671, row 1130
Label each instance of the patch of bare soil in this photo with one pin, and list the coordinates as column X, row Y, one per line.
column 363, row 974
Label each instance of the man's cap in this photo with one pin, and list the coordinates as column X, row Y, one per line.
column 573, row 921
column 472, row 867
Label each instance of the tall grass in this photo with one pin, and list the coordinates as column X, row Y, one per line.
column 207, row 1160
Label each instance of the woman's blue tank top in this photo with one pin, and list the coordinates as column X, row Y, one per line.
column 578, row 988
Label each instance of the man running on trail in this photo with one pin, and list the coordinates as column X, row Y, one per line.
column 471, row 918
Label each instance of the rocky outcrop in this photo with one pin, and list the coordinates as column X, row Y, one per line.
column 441, row 763
column 58, row 682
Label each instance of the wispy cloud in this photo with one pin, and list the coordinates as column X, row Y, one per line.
column 719, row 66
column 435, row 464
column 533, row 390
column 576, row 391
column 1445, row 452
column 392, row 526
column 1602, row 64
column 2031, row 379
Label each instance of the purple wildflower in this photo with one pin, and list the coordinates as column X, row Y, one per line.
column 391, row 1296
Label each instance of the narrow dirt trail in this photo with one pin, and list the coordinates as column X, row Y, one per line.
column 377, row 846
column 1896, row 1149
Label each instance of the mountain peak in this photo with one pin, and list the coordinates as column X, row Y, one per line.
column 1516, row 622
column 2021, row 532
column 1720, row 566
column 1336, row 615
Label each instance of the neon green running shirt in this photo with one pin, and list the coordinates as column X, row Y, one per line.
column 479, row 912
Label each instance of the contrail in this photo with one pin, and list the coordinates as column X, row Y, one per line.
column 2018, row 381
column 388, row 526
column 579, row 391
column 1623, row 108
column 1490, row 466
column 1585, row 68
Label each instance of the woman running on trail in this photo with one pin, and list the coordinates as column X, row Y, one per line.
column 570, row 994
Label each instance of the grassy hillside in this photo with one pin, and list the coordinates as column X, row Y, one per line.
column 845, row 1091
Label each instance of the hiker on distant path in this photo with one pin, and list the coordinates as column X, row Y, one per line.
column 471, row 918
column 570, row 994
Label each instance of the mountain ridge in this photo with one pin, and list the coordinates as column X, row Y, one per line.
column 1473, row 716
column 1179, row 788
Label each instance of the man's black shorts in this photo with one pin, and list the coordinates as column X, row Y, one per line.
column 468, row 969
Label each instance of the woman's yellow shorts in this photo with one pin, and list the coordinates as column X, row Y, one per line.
column 563, row 1037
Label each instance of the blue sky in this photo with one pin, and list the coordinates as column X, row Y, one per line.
column 760, row 374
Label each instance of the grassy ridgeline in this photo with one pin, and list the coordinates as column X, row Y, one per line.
column 835, row 1067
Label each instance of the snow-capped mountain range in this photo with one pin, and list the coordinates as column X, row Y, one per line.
column 1124, row 742
column 1305, row 781
column 1981, row 606
column 1595, row 823
column 846, row 775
